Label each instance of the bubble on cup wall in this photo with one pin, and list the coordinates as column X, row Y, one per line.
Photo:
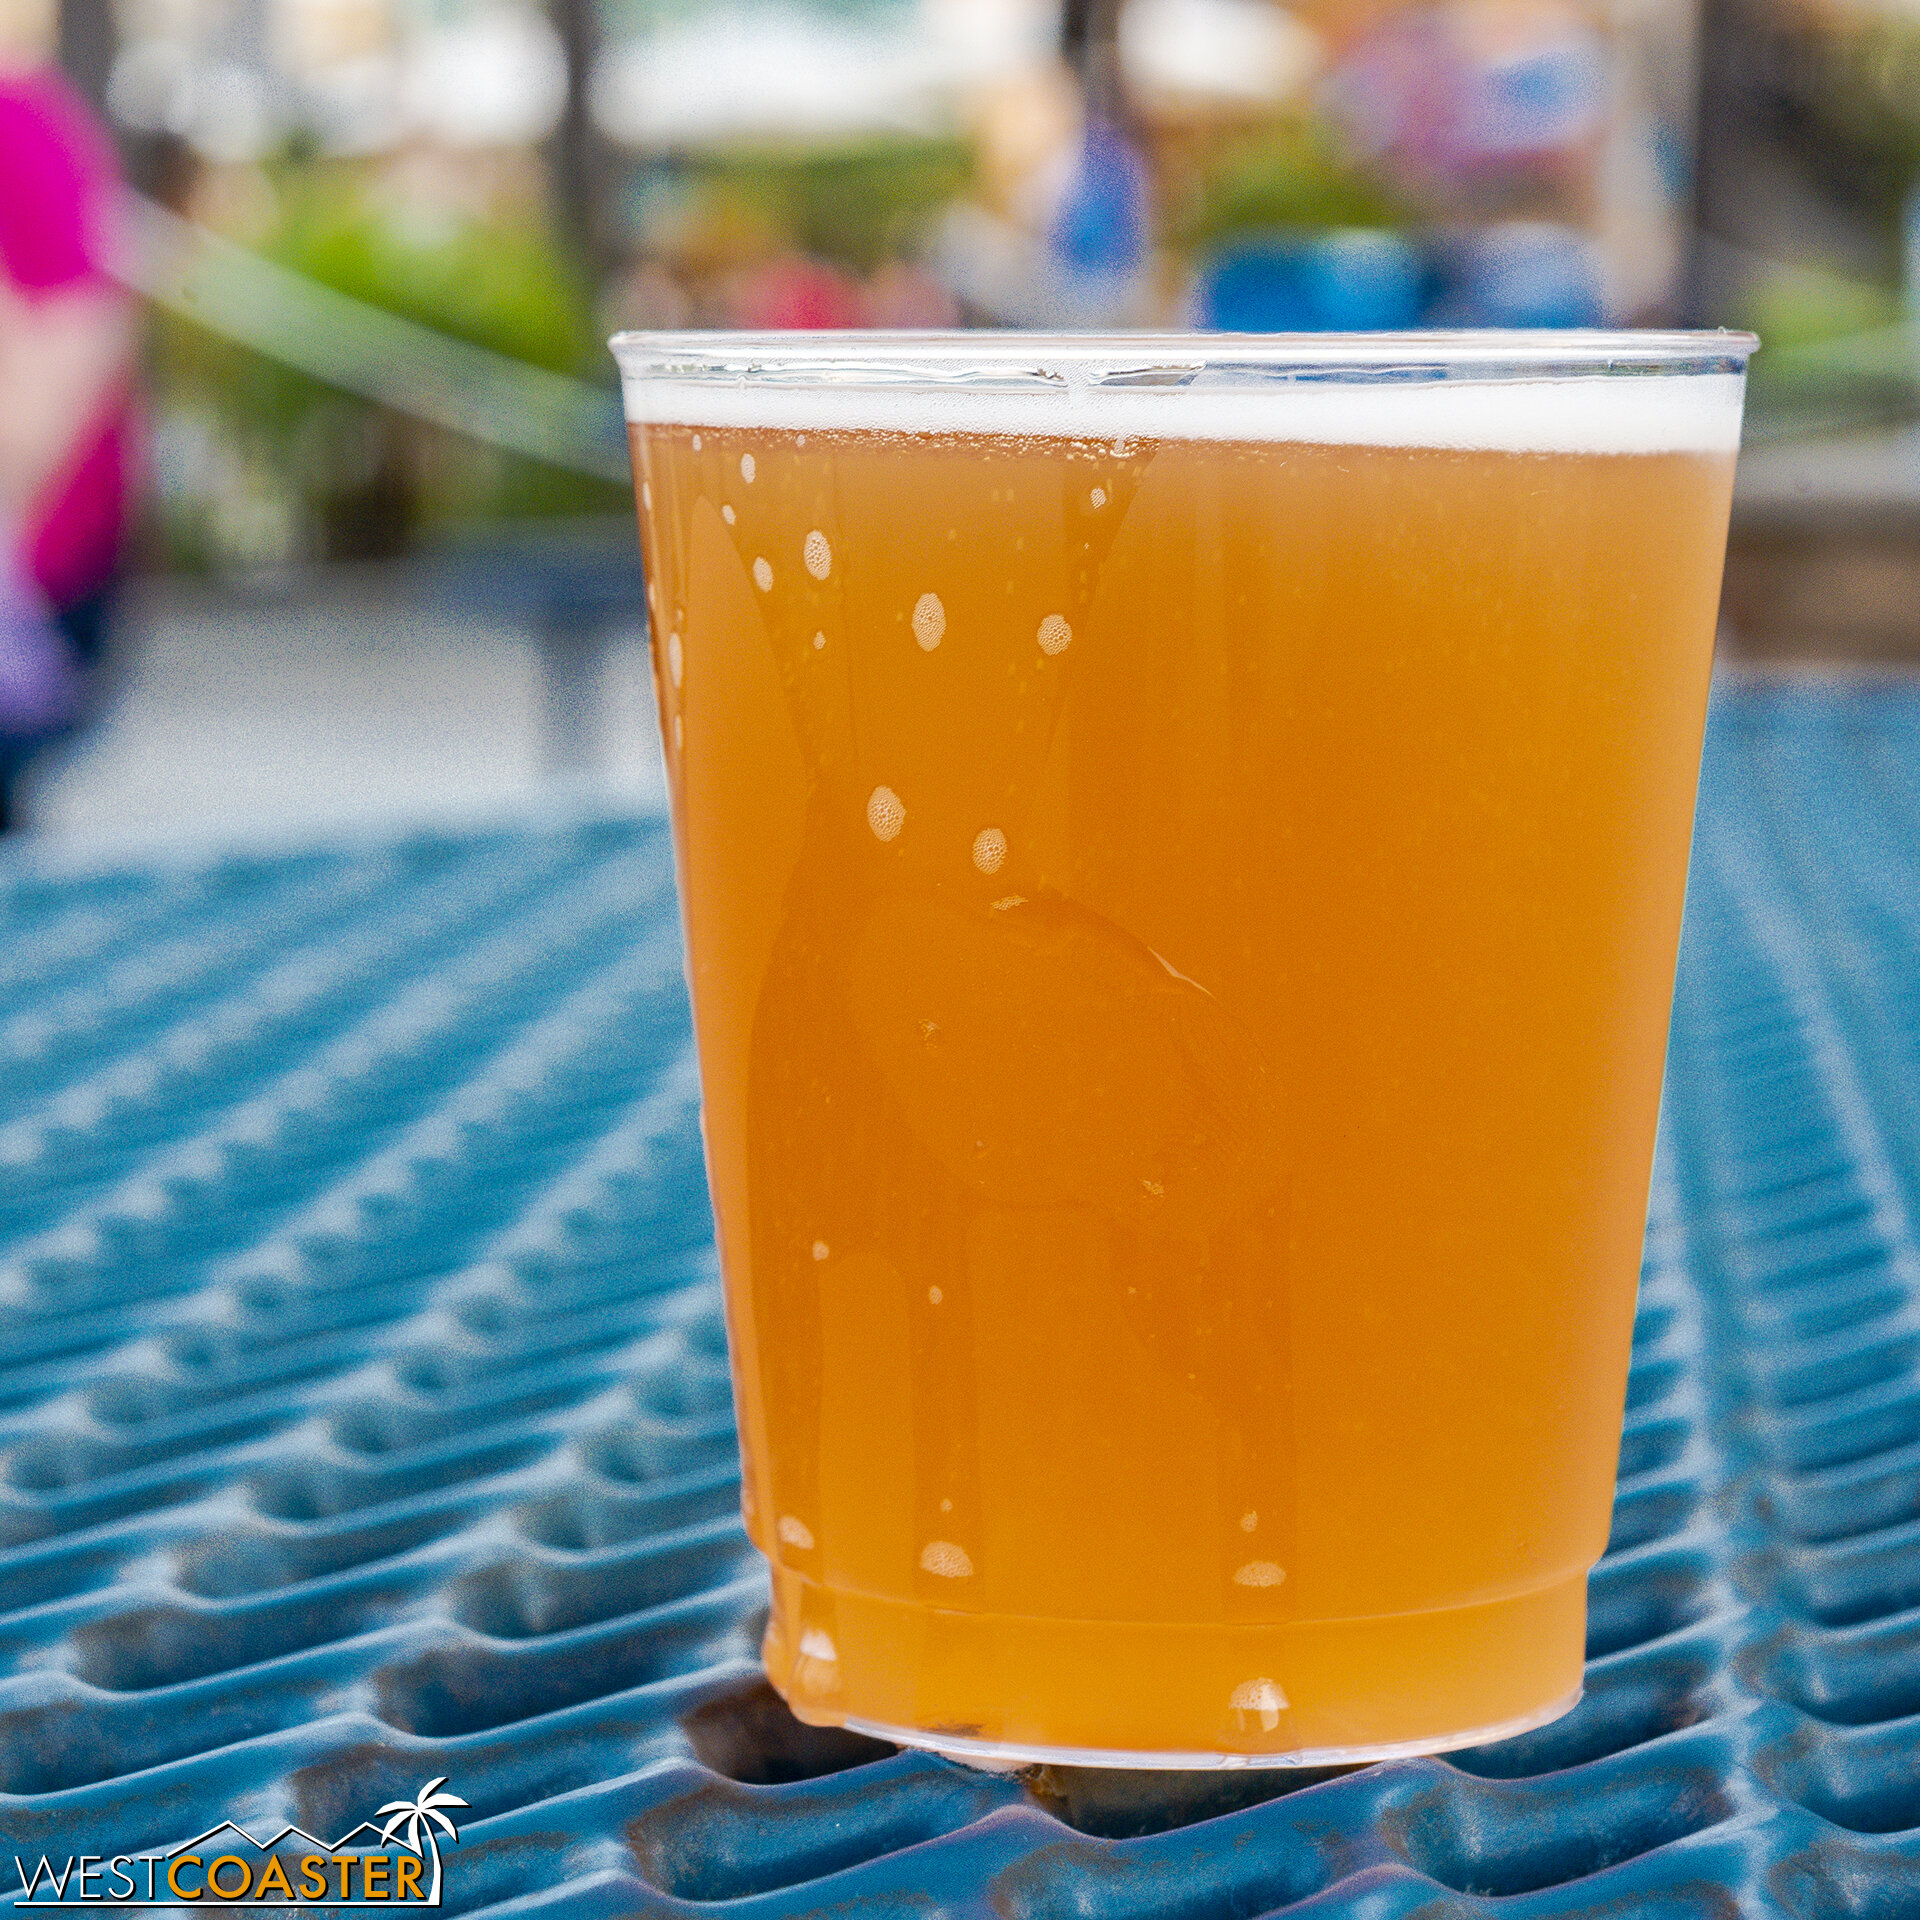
column 935, row 1296
column 816, row 554
column 796, row 1533
column 947, row 1560
column 820, row 1249
column 696, row 443
column 819, row 641
column 726, row 514
column 676, row 659
column 1261, row 1696
column 1055, row 635
column 746, row 468
column 763, row 574
column 946, row 1506
column 1008, row 901
column 1099, row 498
column 885, row 815
column 1248, row 1521
column 646, row 496
column 679, row 734
column 1259, row 1573
column 815, row 1645
column 929, row 621
column 989, row 849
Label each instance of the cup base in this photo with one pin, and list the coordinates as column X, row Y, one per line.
column 993, row 1757
column 1004, row 1690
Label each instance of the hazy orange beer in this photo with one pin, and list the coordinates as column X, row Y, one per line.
column 1181, row 843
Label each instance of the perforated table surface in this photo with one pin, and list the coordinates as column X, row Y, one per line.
column 364, row 1415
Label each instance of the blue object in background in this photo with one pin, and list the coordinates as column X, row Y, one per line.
column 1357, row 279
column 1096, row 245
column 1540, row 100
column 364, row 1417
column 1099, row 229
column 1519, row 273
column 1910, row 252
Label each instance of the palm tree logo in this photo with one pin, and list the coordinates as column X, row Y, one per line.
column 420, row 1816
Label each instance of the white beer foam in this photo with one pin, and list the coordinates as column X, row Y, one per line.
column 1629, row 413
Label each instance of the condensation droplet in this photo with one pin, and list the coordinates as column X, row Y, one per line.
column 1098, row 497
column 1259, row 1573
column 1152, row 1188
column 885, row 815
column 820, row 1249
column 815, row 1645
column 946, row 1506
column 646, row 496
column 1261, row 1696
column 795, row 1533
column 935, row 1295
column 746, row 468
column 676, row 659
column 1055, row 636
column 1248, row 1521
column 1008, row 901
column 929, row 621
column 989, row 849
column 819, row 641
column 726, row 514
column 696, row 443
column 763, row 574
column 945, row 1559
column 816, row 555
column 679, row 734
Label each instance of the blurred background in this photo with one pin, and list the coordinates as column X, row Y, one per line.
column 366, row 541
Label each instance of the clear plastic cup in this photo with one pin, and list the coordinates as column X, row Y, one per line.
column 1181, row 842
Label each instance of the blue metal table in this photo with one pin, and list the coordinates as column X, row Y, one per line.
column 364, row 1416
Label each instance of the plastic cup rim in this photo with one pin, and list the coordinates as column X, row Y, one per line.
column 868, row 358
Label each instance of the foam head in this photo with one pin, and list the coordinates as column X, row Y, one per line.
column 1562, row 393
